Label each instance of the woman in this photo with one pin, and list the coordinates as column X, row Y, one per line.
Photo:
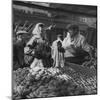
column 37, row 45
column 18, row 49
column 75, row 45
column 58, row 52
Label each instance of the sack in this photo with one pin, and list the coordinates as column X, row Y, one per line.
column 28, row 59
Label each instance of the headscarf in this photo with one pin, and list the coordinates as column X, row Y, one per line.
column 36, row 33
column 20, row 32
column 36, row 30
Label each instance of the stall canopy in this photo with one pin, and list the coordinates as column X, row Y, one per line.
column 54, row 13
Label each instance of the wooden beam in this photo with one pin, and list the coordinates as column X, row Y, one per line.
column 57, row 10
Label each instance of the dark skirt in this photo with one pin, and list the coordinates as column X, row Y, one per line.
column 79, row 58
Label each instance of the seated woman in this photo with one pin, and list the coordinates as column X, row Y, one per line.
column 18, row 49
column 75, row 45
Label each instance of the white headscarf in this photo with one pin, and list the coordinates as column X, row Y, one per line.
column 36, row 33
column 36, row 30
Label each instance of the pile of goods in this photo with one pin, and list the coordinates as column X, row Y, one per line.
column 50, row 82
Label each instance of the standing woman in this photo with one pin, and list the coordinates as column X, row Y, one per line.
column 29, row 49
column 37, row 47
column 34, row 42
column 58, row 52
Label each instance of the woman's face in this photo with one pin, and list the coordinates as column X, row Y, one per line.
column 19, row 37
column 71, row 33
column 41, row 28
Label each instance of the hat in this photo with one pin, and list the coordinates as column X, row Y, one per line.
column 59, row 35
column 36, row 30
column 21, row 32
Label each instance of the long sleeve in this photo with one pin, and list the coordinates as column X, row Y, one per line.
column 85, row 45
column 31, row 41
column 67, row 41
column 53, row 49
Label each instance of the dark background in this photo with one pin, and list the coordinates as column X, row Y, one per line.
column 59, row 14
